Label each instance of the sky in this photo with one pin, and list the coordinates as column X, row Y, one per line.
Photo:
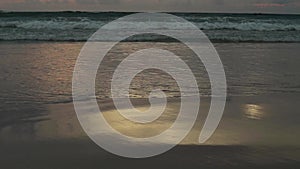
column 229, row 6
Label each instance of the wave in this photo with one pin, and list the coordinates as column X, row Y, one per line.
column 52, row 24
column 85, row 23
column 248, row 26
column 79, row 26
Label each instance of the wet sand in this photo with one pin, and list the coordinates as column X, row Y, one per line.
column 255, row 132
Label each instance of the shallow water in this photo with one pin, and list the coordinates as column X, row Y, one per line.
column 38, row 73
column 34, row 72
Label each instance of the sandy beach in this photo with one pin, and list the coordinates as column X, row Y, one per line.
column 255, row 132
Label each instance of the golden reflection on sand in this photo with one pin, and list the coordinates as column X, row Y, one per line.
column 140, row 130
column 254, row 111
column 64, row 124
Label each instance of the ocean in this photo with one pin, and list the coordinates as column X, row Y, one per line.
column 79, row 26
column 248, row 44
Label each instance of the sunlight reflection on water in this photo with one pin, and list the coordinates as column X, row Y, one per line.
column 253, row 111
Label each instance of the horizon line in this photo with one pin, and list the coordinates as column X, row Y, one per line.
column 115, row 11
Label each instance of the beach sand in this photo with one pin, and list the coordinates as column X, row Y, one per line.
column 255, row 132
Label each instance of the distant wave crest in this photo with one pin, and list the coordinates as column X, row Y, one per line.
column 79, row 26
